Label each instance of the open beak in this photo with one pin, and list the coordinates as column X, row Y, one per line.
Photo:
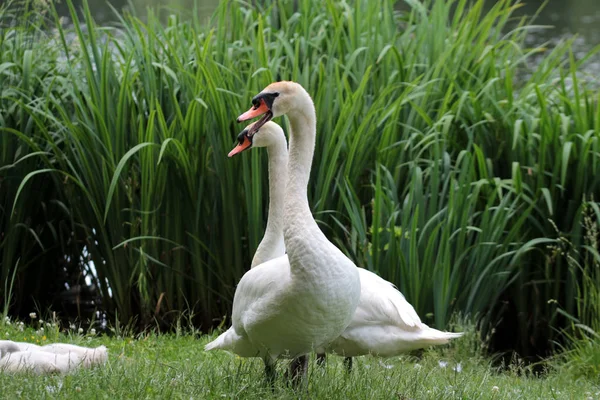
column 254, row 112
column 241, row 146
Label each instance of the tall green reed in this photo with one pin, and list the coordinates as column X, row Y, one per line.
column 441, row 153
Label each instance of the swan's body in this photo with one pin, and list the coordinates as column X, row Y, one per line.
column 384, row 323
column 89, row 356
column 57, row 357
column 39, row 362
column 291, row 308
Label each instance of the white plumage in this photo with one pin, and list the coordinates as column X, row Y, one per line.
column 288, row 309
column 384, row 323
column 51, row 358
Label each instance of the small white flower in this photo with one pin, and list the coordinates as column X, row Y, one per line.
column 93, row 331
column 41, row 321
column 458, row 367
column 32, row 315
column 442, row 364
column 418, row 366
column 386, row 366
column 80, row 330
column 7, row 334
column 72, row 326
column 495, row 388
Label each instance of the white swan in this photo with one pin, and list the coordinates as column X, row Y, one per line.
column 39, row 362
column 272, row 137
column 384, row 323
column 290, row 309
column 89, row 356
column 25, row 355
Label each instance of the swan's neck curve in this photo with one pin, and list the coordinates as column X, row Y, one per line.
column 301, row 233
column 272, row 244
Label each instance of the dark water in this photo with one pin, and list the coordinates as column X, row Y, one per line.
column 580, row 17
column 562, row 18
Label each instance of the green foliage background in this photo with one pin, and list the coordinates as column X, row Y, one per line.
column 447, row 161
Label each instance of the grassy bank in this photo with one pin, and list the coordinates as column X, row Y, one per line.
column 152, row 366
column 446, row 161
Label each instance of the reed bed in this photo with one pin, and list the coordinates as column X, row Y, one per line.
column 446, row 161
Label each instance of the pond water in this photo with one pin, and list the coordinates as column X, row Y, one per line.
column 581, row 17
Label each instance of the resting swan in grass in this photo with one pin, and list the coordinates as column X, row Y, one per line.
column 384, row 323
column 40, row 362
column 289, row 309
column 22, row 355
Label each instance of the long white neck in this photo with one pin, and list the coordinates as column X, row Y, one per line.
column 300, row 230
column 272, row 244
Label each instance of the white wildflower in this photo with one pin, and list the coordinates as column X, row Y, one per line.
column 72, row 326
column 417, row 366
column 495, row 388
column 80, row 330
column 458, row 367
column 32, row 315
column 442, row 364
column 93, row 331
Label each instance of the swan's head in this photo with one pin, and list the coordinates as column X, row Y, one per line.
column 269, row 134
column 277, row 99
column 7, row 346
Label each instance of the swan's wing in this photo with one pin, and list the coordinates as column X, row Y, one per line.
column 97, row 355
column 381, row 302
column 22, row 346
column 257, row 292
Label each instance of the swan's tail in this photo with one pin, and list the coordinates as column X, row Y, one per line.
column 432, row 337
column 225, row 341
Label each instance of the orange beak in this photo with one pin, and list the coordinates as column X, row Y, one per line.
column 254, row 112
column 240, row 147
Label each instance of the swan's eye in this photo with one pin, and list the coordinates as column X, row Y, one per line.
column 256, row 103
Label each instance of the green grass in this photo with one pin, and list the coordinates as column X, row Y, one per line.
column 154, row 366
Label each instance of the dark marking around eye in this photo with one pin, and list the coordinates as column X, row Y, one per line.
column 244, row 134
column 268, row 98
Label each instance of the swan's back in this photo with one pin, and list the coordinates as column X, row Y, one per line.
column 39, row 362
